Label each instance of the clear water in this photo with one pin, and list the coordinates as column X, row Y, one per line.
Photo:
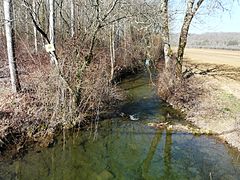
column 125, row 149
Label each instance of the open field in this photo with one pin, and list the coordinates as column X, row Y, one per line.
column 213, row 56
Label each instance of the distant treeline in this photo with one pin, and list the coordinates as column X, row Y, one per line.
column 217, row 40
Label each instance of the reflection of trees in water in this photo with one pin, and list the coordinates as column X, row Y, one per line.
column 167, row 153
column 153, row 147
column 121, row 148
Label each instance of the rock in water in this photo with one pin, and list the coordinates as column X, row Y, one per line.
column 133, row 117
column 105, row 175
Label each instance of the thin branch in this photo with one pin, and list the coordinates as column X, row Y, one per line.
column 114, row 20
column 197, row 6
column 39, row 29
column 60, row 5
column 110, row 10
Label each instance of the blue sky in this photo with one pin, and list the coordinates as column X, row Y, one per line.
column 227, row 21
column 218, row 21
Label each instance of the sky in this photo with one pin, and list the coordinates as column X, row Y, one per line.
column 222, row 21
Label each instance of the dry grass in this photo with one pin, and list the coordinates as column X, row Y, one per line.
column 73, row 96
column 213, row 56
column 183, row 93
column 211, row 96
column 218, row 108
column 47, row 103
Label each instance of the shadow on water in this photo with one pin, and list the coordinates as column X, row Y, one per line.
column 125, row 149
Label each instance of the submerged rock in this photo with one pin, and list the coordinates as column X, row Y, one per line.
column 105, row 174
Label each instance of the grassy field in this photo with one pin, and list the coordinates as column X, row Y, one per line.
column 213, row 56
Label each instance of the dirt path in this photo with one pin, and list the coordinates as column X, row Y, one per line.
column 217, row 72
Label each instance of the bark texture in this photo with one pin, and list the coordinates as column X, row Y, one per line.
column 52, row 29
column 35, row 29
column 112, row 51
column 72, row 4
column 165, row 32
column 8, row 15
column 192, row 8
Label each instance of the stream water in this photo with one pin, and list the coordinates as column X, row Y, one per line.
column 127, row 149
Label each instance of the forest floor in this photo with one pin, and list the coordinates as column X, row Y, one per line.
column 217, row 74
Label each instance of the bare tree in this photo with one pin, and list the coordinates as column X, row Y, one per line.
column 165, row 32
column 34, row 28
column 112, row 50
column 192, row 8
column 8, row 15
column 52, row 30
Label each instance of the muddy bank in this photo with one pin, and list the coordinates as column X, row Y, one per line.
column 210, row 99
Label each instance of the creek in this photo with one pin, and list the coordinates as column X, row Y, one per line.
column 122, row 148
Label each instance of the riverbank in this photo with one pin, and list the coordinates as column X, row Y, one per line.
column 31, row 118
column 22, row 126
column 123, row 148
column 210, row 99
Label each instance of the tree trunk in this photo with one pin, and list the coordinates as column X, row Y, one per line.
column 125, row 36
column 190, row 13
column 2, row 27
column 112, row 51
column 52, row 21
column 35, row 29
column 72, row 4
column 8, row 15
column 43, row 18
column 183, row 42
column 52, row 30
column 165, row 33
column 27, row 27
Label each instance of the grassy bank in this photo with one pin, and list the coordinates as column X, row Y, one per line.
column 218, row 107
column 210, row 96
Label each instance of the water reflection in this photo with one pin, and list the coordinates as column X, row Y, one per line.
column 167, row 154
column 125, row 149
column 150, row 154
